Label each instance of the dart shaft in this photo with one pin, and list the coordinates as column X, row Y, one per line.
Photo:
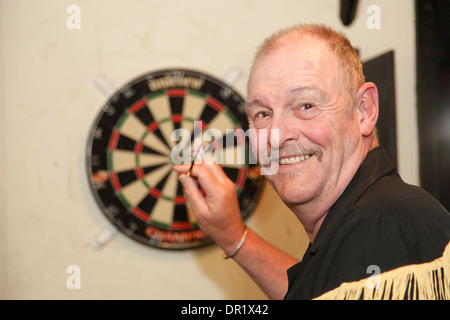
column 193, row 161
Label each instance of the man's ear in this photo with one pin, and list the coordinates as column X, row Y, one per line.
column 367, row 107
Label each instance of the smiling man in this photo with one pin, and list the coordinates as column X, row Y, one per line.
column 307, row 84
column 297, row 87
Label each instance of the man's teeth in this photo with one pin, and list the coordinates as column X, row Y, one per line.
column 292, row 160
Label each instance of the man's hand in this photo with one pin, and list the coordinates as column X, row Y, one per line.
column 217, row 210
column 218, row 214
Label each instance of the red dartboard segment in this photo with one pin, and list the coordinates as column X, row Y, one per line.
column 129, row 161
column 139, row 173
column 153, row 126
column 138, row 105
column 155, row 193
column 181, row 225
column 177, row 118
column 179, row 200
column 141, row 214
column 114, row 139
column 176, row 92
column 138, row 147
column 215, row 104
column 115, row 182
column 201, row 125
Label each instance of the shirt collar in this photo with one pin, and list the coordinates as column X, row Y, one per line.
column 376, row 165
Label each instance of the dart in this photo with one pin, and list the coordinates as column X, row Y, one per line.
column 199, row 148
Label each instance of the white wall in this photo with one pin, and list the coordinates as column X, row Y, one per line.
column 48, row 103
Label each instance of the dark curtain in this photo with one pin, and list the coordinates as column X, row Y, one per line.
column 433, row 96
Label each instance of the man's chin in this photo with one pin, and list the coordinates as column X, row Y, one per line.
column 291, row 196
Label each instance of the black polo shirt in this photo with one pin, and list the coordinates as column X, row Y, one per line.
column 379, row 221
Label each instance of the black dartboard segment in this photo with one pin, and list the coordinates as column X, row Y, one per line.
column 130, row 154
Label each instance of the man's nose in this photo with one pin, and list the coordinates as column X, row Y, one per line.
column 287, row 128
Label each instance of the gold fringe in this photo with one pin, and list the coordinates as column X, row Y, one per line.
column 426, row 281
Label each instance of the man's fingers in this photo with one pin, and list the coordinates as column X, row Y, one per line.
column 209, row 176
column 216, row 170
column 198, row 169
column 181, row 168
column 193, row 194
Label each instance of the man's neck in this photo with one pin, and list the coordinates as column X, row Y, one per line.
column 313, row 213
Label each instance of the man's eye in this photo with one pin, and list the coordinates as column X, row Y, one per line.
column 306, row 107
column 307, row 111
column 262, row 115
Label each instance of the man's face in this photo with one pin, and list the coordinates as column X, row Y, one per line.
column 295, row 89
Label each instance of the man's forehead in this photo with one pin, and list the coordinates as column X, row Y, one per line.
column 300, row 52
column 291, row 63
column 303, row 90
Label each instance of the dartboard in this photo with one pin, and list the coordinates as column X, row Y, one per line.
column 145, row 128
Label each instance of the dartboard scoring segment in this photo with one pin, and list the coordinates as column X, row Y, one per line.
column 129, row 161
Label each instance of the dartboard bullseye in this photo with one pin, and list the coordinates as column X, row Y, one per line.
column 145, row 128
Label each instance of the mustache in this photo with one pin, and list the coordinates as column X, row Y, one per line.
column 289, row 151
column 299, row 150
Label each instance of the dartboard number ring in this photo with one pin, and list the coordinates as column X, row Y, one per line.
column 130, row 154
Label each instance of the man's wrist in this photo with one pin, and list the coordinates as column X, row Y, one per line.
column 239, row 245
